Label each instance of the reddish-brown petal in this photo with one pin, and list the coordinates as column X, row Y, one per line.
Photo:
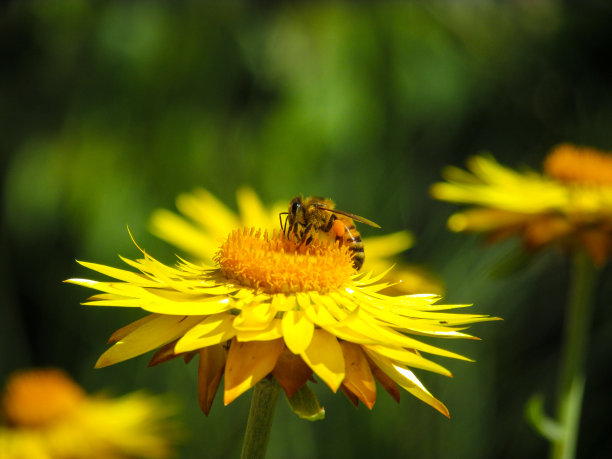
column 210, row 370
column 350, row 395
column 164, row 354
column 291, row 372
column 385, row 381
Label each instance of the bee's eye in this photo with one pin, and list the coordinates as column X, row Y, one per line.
column 295, row 206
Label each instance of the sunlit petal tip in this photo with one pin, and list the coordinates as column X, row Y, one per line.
column 83, row 282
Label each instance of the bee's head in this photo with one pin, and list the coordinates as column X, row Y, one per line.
column 295, row 206
column 295, row 214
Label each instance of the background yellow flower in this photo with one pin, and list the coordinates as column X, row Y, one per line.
column 46, row 415
column 568, row 205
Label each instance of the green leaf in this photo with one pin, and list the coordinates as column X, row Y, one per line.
column 305, row 404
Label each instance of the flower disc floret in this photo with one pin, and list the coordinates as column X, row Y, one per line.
column 281, row 265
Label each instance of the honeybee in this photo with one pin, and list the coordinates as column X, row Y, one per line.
column 308, row 216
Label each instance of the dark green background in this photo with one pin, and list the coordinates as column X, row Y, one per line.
column 109, row 110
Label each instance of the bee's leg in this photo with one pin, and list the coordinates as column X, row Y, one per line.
column 294, row 229
column 283, row 225
column 306, row 235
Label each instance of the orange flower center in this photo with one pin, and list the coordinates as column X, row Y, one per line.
column 582, row 165
column 34, row 398
column 280, row 265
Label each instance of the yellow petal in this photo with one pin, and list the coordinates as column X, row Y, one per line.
column 205, row 209
column 120, row 274
column 283, row 303
column 297, row 331
column 272, row 331
column 150, row 335
column 408, row 357
column 329, row 312
column 247, row 363
column 215, row 329
column 389, row 244
column 200, row 307
column 324, row 356
column 408, row 381
column 112, row 289
column 251, row 210
column 176, row 230
column 255, row 316
column 387, row 336
column 124, row 331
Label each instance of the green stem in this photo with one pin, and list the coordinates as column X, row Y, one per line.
column 572, row 377
column 265, row 394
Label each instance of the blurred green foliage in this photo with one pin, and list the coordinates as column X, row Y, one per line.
column 110, row 109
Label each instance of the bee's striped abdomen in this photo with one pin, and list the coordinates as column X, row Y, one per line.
column 355, row 245
column 352, row 238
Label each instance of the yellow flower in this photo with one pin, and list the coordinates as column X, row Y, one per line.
column 276, row 309
column 208, row 221
column 47, row 415
column 569, row 204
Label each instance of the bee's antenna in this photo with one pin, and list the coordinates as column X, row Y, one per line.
column 280, row 219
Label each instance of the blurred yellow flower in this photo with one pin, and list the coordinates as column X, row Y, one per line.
column 48, row 416
column 569, row 205
column 206, row 222
column 273, row 307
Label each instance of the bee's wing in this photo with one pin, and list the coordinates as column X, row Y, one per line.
column 357, row 218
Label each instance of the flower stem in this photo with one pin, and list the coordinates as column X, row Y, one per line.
column 263, row 403
column 572, row 376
